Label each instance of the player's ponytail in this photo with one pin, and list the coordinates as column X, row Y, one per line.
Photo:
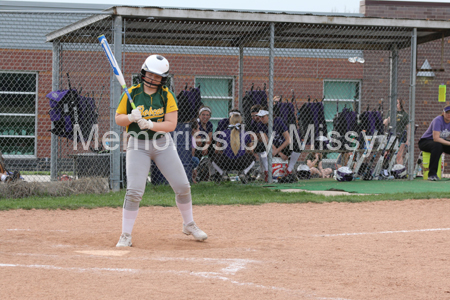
column 235, row 139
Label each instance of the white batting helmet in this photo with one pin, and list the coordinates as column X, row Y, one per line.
column 156, row 64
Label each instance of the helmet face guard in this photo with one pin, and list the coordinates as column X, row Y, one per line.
column 344, row 174
column 152, row 83
column 155, row 64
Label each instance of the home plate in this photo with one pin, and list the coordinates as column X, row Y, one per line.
column 104, row 252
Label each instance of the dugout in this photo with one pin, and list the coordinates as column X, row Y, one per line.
column 338, row 59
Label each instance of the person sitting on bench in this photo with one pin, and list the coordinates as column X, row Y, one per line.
column 436, row 140
column 234, row 151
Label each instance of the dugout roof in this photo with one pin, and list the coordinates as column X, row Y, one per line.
column 341, row 31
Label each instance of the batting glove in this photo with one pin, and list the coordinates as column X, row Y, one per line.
column 135, row 115
column 145, row 124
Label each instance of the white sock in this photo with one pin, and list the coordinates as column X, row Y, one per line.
column 249, row 168
column 263, row 159
column 3, row 178
column 293, row 160
column 128, row 218
column 186, row 212
column 218, row 169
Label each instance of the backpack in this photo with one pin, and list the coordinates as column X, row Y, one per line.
column 14, row 176
column 68, row 108
column 11, row 176
column 203, row 169
column 286, row 111
column 189, row 104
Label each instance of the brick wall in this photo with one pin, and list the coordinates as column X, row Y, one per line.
column 90, row 71
column 427, row 88
column 405, row 9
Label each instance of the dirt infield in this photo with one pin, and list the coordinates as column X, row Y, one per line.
column 379, row 250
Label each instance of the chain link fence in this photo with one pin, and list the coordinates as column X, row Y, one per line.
column 25, row 80
column 321, row 92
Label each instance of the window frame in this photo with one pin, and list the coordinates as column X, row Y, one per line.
column 36, row 99
column 230, row 98
column 331, row 100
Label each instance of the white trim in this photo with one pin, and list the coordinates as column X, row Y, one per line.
column 261, row 16
column 75, row 26
column 17, row 115
column 17, row 93
column 17, row 136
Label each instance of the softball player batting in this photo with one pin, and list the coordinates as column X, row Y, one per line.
column 155, row 116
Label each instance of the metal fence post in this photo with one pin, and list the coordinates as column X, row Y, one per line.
column 412, row 105
column 241, row 78
column 271, row 74
column 115, row 98
column 394, row 88
column 55, row 87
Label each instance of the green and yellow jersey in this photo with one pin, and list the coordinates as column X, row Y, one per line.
column 153, row 107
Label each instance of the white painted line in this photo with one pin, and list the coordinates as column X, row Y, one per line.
column 36, row 230
column 104, row 252
column 234, row 265
column 209, row 275
column 382, row 232
column 48, row 267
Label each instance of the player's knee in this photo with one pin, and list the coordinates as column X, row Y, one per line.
column 182, row 189
column 134, row 196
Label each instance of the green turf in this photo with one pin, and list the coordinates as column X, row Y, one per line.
column 235, row 193
column 417, row 185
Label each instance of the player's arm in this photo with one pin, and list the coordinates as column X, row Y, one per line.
column 263, row 138
column 209, row 139
column 122, row 120
column 437, row 138
column 122, row 117
column 407, row 134
column 249, row 147
column 320, row 167
column 287, row 141
column 168, row 125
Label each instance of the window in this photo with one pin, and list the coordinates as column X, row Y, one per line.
column 217, row 93
column 18, row 98
column 339, row 94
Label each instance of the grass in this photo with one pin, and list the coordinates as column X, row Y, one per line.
column 35, row 172
column 205, row 193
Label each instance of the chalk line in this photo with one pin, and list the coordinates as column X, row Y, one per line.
column 382, row 232
column 18, row 229
column 208, row 275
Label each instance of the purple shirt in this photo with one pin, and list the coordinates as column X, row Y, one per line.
column 208, row 129
column 223, row 124
column 437, row 124
column 253, row 126
column 278, row 129
column 228, row 151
